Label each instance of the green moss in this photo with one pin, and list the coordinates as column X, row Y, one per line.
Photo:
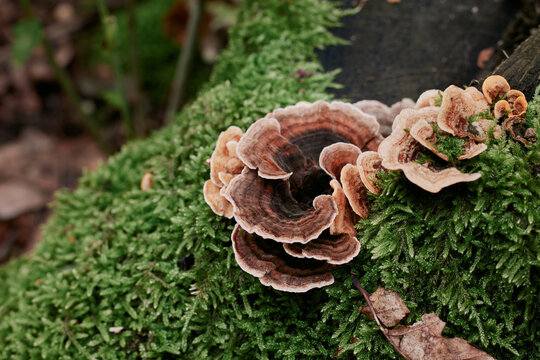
column 160, row 264
column 451, row 146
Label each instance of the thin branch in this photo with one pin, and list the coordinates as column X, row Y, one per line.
column 181, row 74
column 370, row 305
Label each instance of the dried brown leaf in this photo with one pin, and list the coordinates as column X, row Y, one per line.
column 390, row 308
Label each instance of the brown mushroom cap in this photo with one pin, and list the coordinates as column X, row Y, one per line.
column 334, row 157
column 334, row 249
column 472, row 148
column 399, row 151
column 457, row 107
column 384, row 114
column 368, row 163
column 354, row 190
column 512, row 95
column 267, row 208
column 400, row 147
column 267, row 260
column 346, row 218
column 428, row 98
column 494, row 87
column 291, row 139
column 501, row 108
column 217, row 202
column 520, row 106
column 224, row 157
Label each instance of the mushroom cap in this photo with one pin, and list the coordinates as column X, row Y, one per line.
column 494, row 87
column 217, row 202
column 501, row 108
column 512, row 95
column 267, row 208
column 472, row 148
column 334, row 249
column 399, row 151
column 520, row 105
column 457, row 107
column 384, row 114
column 293, row 138
column 224, row 157
column 427, row 98
column 368, row 163
column 400, row 147
column 268, row 261
column 346, row 218
column 334, row 157
column 354, row 190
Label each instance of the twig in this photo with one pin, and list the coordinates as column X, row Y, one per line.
column 370, row 305
column 180, row 76
column 67, row 85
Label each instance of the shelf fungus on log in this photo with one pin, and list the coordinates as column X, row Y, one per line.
column 368, row 163
column 299, row 195
column 430, row 97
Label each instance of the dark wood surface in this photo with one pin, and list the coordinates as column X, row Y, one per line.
column 399, row 50
column 522, row 69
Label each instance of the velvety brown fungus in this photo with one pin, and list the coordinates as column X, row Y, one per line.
column 334, row 157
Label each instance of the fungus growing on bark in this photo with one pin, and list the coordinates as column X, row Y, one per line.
column 224, row 159
column 384, row 114
column 519, row 107
column 368, row 163
column 457, row 108
column 268, row 261
column 334, row 249
column 346, row 217
column 512, row 95
column 494, row 88
column 215, row 199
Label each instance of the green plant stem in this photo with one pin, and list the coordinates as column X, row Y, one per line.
column 138, row 95
column 181, row 73
column 108, row 22
column 67, row 85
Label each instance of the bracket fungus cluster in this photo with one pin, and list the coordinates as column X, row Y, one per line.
column 419, row 134
column 297, row 181
column 293, row 186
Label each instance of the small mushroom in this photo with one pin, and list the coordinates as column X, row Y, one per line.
column 147, row 181
column 267, row 208
column 268, row 261
column 368, row 163
column 494, row 87
column 346, row 218
column 457, row 107
column 224, row 157
column 512, row 95
column 334, row 249
column 384, row 114
column 334, row 157
column 431, row 97
column 502, row 108
column 354, row 190
column 291, row 139
column 217, row 202
column 520, row 106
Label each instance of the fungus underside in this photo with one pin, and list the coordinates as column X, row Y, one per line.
column 159, row 263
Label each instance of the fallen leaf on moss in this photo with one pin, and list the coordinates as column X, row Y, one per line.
column 390, row 308
column 424, row 341
column 420, row 341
